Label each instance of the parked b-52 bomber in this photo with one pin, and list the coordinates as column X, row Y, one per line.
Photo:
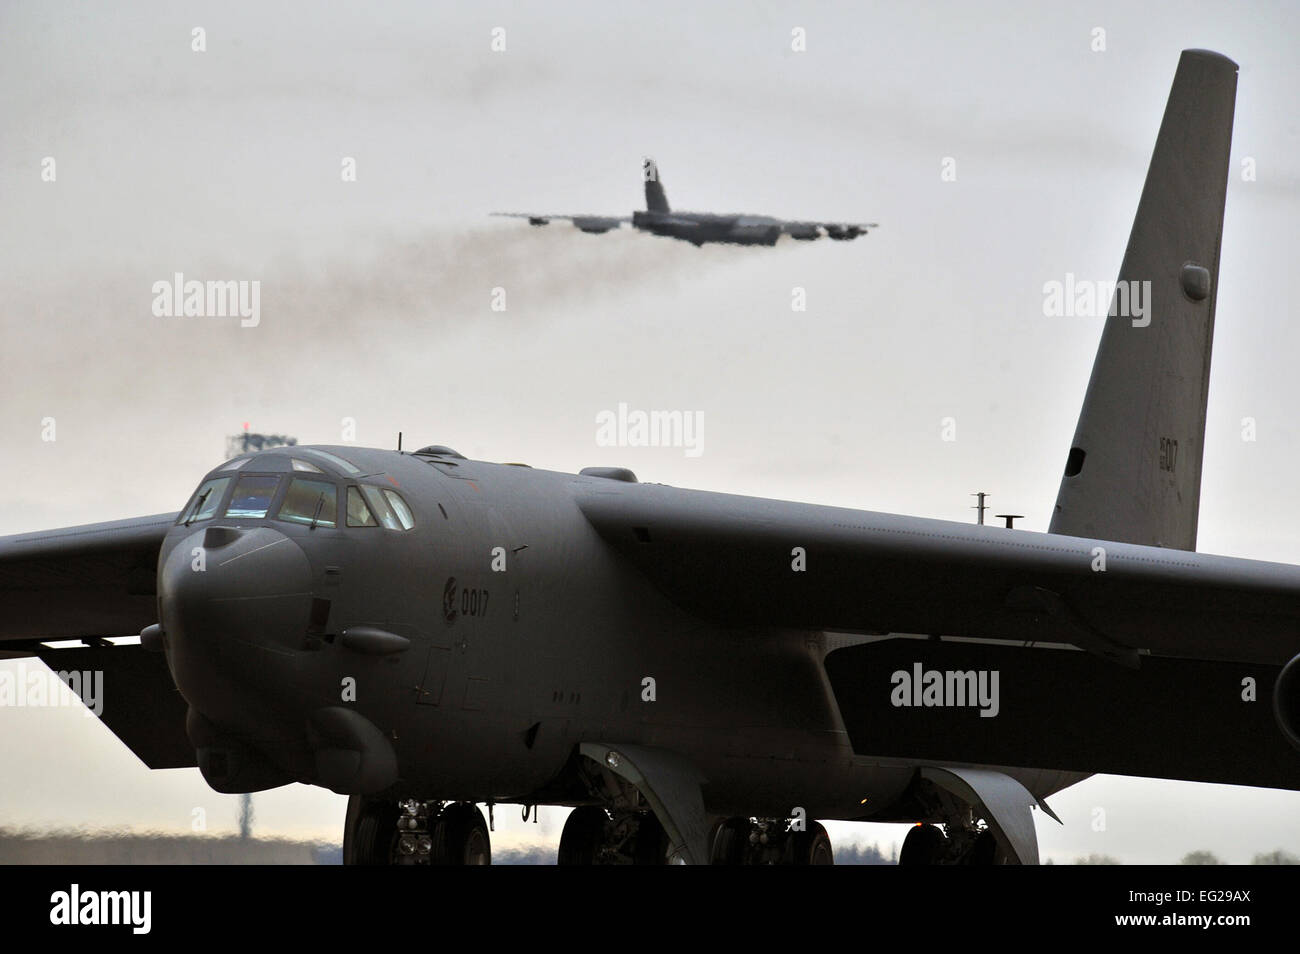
column 699, row 675
column 701, row 227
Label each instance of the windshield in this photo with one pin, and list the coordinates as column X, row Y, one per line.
column 313, row 502
column 252, row 496
column 205, row 500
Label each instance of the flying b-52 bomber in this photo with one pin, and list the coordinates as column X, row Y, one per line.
column 701, row 227
column 699, row 675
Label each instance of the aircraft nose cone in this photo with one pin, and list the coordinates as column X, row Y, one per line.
column 234, row 601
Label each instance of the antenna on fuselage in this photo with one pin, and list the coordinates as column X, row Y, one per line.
column 399, row 442
column 981, row 507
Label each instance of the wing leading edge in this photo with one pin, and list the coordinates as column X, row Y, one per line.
column 748, row 561
column 88, row 581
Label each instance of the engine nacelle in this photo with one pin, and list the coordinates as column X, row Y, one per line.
column 804, row 233
column 841, row 233
column 594, row 225
column 228, row 765
column 1286, row 701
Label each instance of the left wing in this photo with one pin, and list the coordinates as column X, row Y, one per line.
column 89, row 583
column 593, row 224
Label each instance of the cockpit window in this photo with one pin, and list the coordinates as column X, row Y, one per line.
column 306, row 465
column 400, row 510
column 380, row 507
column 346, row 466
column 205, row 501
column 235, row 464
column 376, row 507
column 359, row 514
column 252, row 496
column 310, row 501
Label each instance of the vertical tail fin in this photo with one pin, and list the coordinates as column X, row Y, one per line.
column 655, row 199
column 1134, row 470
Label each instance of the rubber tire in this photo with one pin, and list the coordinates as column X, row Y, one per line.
column 985, row 849
column 731, row 842
column 651, row 841
column 811, row 847
column 461, row 837
column 583, row 836
column 922, row 846
column 370, row 832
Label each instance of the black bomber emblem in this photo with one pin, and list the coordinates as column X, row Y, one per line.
column 449, row 600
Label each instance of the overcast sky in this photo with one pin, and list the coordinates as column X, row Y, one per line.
column 376, row 294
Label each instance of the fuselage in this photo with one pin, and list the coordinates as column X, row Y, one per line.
column 509, row 632
column 702, row 227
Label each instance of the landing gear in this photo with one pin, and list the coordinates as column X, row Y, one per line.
column 583, row 835
column 461, row 837
column 767, row 841
column 370, row 832
column 412, row 832
column 592, row 836
column 960, row 844
column 924, row 845
column 731, row 842
column 651, row 841
column 972, row 817
column 985, row 850
column 811, row 847
column 414, row 841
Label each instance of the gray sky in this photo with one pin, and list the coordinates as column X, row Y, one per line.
column 375, row 293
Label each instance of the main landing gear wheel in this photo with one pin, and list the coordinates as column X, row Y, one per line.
column 370, row 832
column 461, row 837
column 924, row 845
column 592, row 836
column 730, row 842
column 651, row 847
column 811, row 847
column 583, row 836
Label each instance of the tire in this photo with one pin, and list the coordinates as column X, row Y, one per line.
column 923, row 845
column 730, row 842
column 461, row 837
column 985, row 849
column 811, row 847
column 583, row 836
column 370, row 832
column 651, row 841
